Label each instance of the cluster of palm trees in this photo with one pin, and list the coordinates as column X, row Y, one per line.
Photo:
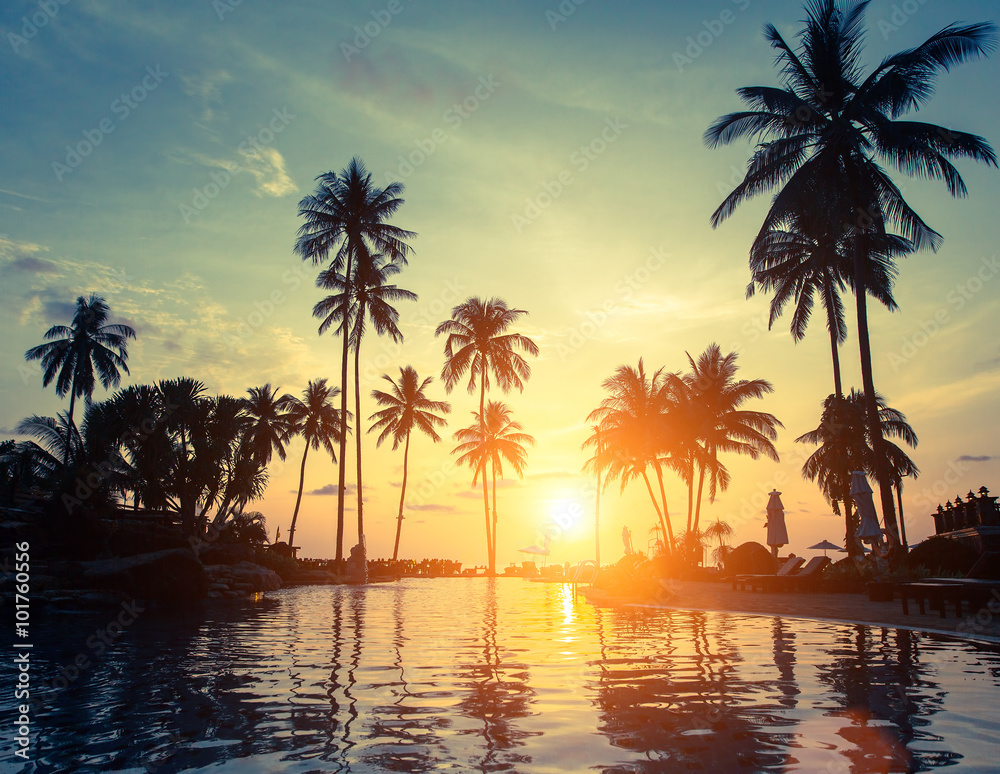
column 837, row 221
column 682, row 423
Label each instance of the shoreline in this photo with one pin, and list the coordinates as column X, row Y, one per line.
column 708, row 596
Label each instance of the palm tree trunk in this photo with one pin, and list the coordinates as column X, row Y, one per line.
column 690, row 488
column 871, row 407
column 342, row 474
column 829, row 292
column 493, row 547
column 697, row 507
column 69, row 423
column 402, row 498
column 357, row 425
column 298, row 499
column 656, row 506
column 486, row 497
column 835, row 350
column 669, row 534
column 597, row 508
column 902, row 522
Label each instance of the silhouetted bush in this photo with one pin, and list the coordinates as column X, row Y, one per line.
column 750, row 559
column 943, row 556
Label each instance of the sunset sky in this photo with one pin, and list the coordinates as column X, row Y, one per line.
column 552, row 156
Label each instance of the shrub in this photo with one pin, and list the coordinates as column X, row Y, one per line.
column 942, row 556
column 750, row 559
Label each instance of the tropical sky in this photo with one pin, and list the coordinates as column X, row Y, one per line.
column 552, row 156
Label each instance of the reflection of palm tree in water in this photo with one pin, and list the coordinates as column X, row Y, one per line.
column 498, row 693
column 784, row 660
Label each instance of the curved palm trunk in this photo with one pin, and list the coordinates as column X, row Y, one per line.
column 402, row 498
column 871, row 407
column 666, row 513
column 656, row 505
column 902, row 522
column 298, row 498
column 690, row 488
column 597, row 512
column 697, row 506
column 342, row 474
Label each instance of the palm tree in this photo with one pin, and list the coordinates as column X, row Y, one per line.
column 820, row 140
column 632, row 421
column 347, row 215
column 406, row 407
column 478, row 343
column 721, row 531
column 270, row 425
column 597, row 463
column 488, row 442
column 73, row 352
column 372, row 299
column 724, row 426
column 845, row 446
column 317, row 420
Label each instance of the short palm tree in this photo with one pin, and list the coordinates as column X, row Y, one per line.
column 372, row 300
column 346, row 218
column 315, row 418
column 484, row 446
column 724, row 425
column 478, row 343
column 405, row 407
column 821, row 138
column 73, row 353
column 270, row 425
column 632, row 423
column 845, row 446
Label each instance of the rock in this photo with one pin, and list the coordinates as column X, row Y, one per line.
column 243, row 578
column 171, row 577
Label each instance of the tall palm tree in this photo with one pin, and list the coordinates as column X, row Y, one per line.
column 406, row 407
column 478, row 343
column 315, row 418
column 484, row 446
column 725, row 427
column 372, row 300
column 845, row 445
column 597, row 464
column 72, row 353
column 347, row 216
column 822, row 137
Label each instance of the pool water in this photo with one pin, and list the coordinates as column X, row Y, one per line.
column 480, row 675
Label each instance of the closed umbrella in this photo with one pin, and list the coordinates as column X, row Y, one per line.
column 868, row 530
column 777, row 535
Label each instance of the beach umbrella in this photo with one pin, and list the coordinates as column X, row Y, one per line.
column 825, row 546
column 536, row 550
column 777, row 535
column 868, row 530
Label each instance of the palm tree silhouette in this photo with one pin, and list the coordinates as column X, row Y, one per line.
column 72, row 353
column 821, row 137
column 724, row 426
column 478, row 343
column 845, row 446
column 489, row 441
column 371, row 298
column 632, row 421
column 270, row 425
column 347, row 215
column 406, row 407
column 315, row 418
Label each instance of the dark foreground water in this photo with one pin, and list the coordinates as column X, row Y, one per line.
column 506, row 675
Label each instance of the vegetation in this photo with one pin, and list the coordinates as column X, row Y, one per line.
column 680, row 423
column 406, row 407
column 821, row 140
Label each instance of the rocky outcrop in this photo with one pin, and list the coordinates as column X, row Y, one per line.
column 240, row 580
column 171, row 577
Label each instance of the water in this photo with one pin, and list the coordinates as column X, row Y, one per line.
column 501, row 675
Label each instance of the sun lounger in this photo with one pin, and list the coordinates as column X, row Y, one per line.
column 938, row 592
column 741, row 582
column 806, row 579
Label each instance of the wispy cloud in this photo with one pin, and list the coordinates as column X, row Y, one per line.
column 331, row 489
column 976, row 458
column 433, row 507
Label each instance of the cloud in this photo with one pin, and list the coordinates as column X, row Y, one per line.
column 976, row 458
column 331, row 489
column 206, row 90
column 433, row 507
column 9, row 431
column 24, row 257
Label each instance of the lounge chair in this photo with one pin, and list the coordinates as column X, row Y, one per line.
column 806, row 579
column 740, row 582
